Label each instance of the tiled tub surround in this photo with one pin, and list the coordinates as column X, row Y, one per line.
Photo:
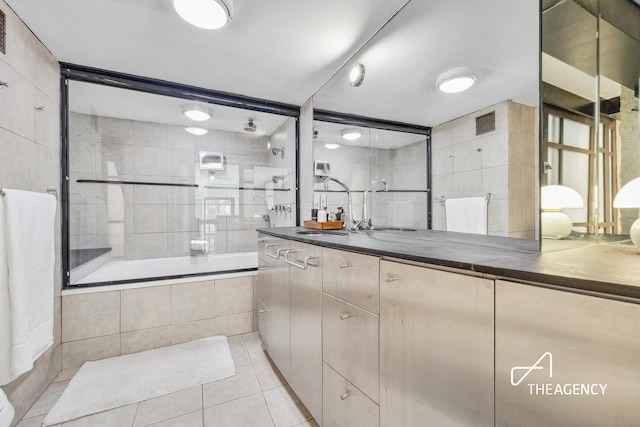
column 502, row 162
column 30, row 160
column 139, row 221
column 101, row 322
column 403, row 168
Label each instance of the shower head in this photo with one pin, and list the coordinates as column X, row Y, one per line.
column 250, row 126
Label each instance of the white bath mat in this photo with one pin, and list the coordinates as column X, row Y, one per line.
column 122, row 380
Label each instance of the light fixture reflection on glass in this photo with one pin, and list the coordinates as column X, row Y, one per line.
column 196, row 131
column 206, row 14
column 332, row 146
column 351, row 134
column 356, row 75
column 629, row 197
column 456, row 80
column 554, row 223
column 197, row 113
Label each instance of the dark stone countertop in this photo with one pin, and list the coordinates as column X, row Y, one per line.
column 607, row 269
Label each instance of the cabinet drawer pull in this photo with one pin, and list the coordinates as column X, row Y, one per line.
column 390, row 278
column 269, row 254
column 303, row 265
column 345, row 316
column 345, row 265
column 343, row 396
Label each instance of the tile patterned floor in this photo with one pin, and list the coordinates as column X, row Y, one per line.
column 256, row 396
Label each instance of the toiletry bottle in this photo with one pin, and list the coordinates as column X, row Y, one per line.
column 322, row 215
column 332, row 216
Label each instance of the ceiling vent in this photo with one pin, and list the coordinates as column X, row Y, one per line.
column 3, row 33
column 486, row 123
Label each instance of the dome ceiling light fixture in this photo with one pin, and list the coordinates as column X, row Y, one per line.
column 455, row 80
column 351, row 134
column 332, row 146
column 206, row 14
column 197, row 113
column 250, row 126
column 196, row 131
column 356, row 75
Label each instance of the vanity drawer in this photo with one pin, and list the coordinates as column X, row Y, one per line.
column 350, row 344
column 345, row 405
column 352, row 277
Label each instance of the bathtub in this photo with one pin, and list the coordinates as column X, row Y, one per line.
column 158, row 269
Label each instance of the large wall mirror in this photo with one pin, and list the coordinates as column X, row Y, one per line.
column 483, row 140
column 591, row 125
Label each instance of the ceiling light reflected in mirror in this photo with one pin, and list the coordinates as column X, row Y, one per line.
column 351, row 134
column 196, row 131
column 332, row 146
column 197, row 113
column 356, row 75
column 455, row 81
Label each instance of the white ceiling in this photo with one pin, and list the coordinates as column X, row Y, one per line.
column 281, row 50
column 286, row 50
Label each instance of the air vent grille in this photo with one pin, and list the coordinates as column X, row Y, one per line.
column 486, row 123
column 3, row 33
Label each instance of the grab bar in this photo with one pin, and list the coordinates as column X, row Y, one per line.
column 297, row 263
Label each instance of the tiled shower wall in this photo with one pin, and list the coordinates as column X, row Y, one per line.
column 30, row 160
column 404, row 168
column 108, row 323
column 502, row 162
column 159, row 221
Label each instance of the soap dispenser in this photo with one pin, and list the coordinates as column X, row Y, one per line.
column 322, row 215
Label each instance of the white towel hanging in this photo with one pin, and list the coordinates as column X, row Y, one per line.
column 467, row 215
column 27, row 260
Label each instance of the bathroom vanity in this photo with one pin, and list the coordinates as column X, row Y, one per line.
column 397, row 328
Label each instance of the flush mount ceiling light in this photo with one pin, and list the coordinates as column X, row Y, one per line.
column 207, row 14
column 356, row 75
column 332, row 146
column 197, row 113
column 196, row 131
column 456, row 80
column 351, row 134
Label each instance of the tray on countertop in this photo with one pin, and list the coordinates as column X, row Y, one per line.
column 329, row 225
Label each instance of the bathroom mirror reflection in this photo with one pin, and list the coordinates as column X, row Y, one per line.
column 591, row 125
column 497, row 43
column 151, row 186
column 385, row 171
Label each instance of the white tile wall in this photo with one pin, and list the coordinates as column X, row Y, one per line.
column 502, row 163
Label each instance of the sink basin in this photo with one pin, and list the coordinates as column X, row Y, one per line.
column 392, row 229
column 322, row 233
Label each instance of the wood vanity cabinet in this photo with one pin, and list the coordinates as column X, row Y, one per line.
column 305, row 326
column 350, row 337
column 571, row 339
column 273, row 300
column 436, row 348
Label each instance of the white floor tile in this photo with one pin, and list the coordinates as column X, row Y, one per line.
column 194, row 419
column 268, row 374
column 285, row 407
column 243, row 383
column 31, row 422
column 239, row 354
column 169, row 406
column 250, row 411
column 119, row 417
column 48, row 398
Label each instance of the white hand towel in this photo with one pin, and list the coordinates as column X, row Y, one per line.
column 467, row 215
column 27, row 276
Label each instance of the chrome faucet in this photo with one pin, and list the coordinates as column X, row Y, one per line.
column 349, row 222
column 365, row 222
